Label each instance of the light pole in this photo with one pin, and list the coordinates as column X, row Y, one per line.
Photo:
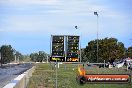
column 80, row 52
column 95, row 13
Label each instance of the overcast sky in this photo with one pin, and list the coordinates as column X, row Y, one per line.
column 28, row 24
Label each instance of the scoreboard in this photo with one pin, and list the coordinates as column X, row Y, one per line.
column 65, row 48
column 57, row 48
column 72, row 49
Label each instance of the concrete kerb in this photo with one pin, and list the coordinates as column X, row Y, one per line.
column 22, row 80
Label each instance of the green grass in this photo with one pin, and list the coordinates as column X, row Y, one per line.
column 44, row 77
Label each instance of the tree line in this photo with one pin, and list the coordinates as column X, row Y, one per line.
column 109, row 49
column 39, row 56
column 9, row 54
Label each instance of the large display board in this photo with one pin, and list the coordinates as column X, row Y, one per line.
column 57, row 48
column 65, row 48
column 72, row 49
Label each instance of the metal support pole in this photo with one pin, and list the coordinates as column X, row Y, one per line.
column 97, row 40
column 95, row 13
column 65, row 49
column 56, row 74
column 79, row 47
column 51, row 45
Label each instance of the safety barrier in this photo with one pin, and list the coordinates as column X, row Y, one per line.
column 22, row 80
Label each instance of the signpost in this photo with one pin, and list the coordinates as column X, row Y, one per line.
column 64, row 48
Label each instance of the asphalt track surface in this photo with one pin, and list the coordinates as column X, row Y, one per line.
column 10, row 71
